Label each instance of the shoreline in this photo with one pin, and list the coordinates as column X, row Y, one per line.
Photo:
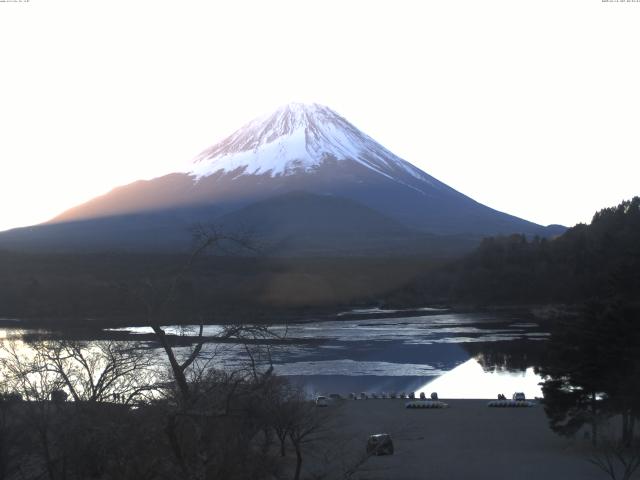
column 538, row 312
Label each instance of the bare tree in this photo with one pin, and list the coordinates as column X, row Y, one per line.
column 11, row 434
column 27, row 375
column 307, row 424
column 103, row 371
column 157, row 300
column 218, row 414
column 280, row 406
column 75, row 437
column 617, row 458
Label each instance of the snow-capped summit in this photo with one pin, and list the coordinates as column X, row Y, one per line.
column 299, row 138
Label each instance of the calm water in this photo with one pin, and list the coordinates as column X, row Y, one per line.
column 457, row 355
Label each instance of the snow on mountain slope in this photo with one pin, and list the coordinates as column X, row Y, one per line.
column 298, row 138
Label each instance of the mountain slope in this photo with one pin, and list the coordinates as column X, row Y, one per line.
column 300, row 223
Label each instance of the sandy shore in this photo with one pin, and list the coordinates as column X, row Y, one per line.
column 468, row 440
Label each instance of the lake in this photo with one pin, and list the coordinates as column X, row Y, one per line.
column 459, row 355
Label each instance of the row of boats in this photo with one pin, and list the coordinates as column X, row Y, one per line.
column 383, row 395
column 518, row 399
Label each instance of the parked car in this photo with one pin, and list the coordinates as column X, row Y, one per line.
column 519, row 397
column 59, row 396
column 380, row 444
column 322, row 401
column 363, row 396
column 335, row 396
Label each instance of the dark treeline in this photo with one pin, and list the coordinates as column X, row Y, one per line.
column 517, row 355
column 108, row 287
column 592, row 370
column 599, row 260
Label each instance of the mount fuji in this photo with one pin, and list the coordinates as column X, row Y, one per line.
column 302, row 178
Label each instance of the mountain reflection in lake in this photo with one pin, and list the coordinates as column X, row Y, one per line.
column 458, row 355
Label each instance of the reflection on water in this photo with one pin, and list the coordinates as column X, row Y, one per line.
column 186, row 330
column 382, row 311
column 351, row 367
column 470, row 380
column 458, row 355
column 467, row 380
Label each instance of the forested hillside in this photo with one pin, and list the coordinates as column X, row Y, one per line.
column 599, row 260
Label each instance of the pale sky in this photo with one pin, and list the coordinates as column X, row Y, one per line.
column 530, row 107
